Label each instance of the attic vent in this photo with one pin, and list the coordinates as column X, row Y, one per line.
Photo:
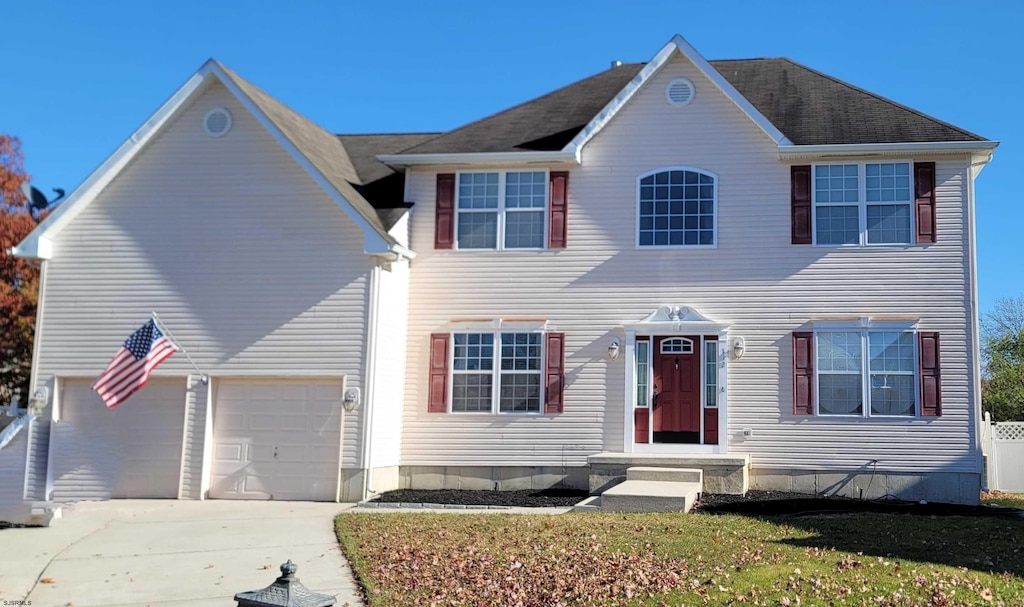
column 679, row 91
column 217, row 122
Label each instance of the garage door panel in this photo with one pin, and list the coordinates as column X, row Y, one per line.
column 290, row 431
column 132, row 451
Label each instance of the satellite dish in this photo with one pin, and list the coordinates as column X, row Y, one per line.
column 36, row 199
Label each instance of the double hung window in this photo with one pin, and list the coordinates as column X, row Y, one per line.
column 496, row 373
column 501, row 210
column 866, row 373
column 863, row 203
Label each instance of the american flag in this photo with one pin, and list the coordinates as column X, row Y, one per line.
column 142, row 352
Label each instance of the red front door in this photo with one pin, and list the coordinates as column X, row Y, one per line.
column 677, row 389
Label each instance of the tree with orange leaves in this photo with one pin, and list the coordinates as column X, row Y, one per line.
column 19, row 278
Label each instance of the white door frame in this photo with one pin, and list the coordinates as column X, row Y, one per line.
column 669, row 321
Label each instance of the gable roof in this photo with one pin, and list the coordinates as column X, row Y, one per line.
column 322, row 154
column 813, row 108
column 381, row 185
column 807, row 106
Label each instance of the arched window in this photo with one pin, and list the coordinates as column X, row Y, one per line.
column 677, row 345
column 677, row 208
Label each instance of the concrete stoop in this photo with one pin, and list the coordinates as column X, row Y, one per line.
column 649, row 489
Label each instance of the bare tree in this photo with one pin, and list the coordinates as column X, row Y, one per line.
column 1006, row 318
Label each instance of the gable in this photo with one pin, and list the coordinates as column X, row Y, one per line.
column 319, row 153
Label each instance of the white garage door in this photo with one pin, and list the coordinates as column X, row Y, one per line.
column 133, row 450
column 276, row 439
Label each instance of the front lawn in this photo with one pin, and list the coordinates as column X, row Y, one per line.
column 998, row 498
column 672, row 559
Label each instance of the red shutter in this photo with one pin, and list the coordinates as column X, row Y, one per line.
column 641, row 424
column 558, row 210
column 924, row 200
column 554, row 373
column 931, row 374
column 710, row 425
column 444, row 215
column 800, row 203
column 803, row 373
column 438, row 392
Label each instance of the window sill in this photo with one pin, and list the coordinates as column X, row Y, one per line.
column 674, row 247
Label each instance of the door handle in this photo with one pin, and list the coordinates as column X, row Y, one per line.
column 654, row 399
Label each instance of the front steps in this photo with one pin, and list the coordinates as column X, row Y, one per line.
column 722, row 472
column 649, row 489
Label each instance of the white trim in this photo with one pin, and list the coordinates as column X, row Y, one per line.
column 502, row 209
column 208, row 440
column 636, row 235
column 480, row 158
column 369, row 394
column 862, row 205
column 86, row 192
column 972, row 236
column 864, row 332
column 374, row 241
column 496, row 371
column 38, row 244
column 793, row 152
column 677, row 43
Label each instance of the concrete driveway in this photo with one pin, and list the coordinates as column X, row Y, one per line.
column 168, row 553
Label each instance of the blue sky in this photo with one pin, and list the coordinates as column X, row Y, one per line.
column 82, row 76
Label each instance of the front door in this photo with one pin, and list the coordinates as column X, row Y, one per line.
column 676, row 390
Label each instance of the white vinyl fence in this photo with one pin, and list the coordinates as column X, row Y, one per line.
column 1003, row 445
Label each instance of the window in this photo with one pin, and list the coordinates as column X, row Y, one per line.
column 643, row 371
column 862, row 204
column 517, row 373
column 677, row 208
column 711, row 373
column 889, row 384
column 677, row 345
column 501, row 210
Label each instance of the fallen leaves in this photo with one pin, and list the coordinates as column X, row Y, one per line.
column 47, row 580
column 582, row 560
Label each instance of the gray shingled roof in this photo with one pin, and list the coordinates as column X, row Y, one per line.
column 348, row 162
column 807, row 106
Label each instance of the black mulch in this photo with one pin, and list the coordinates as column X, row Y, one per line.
column 754, row 503
column 779, row 503
column 559, row 498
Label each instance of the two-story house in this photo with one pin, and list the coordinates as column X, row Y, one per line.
column 748, row 266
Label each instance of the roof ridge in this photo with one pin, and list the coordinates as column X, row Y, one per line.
column 521, row 104
column 393, row 133
column 883, row 99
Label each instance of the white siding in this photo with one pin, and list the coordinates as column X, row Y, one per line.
column 12, row 478
column 389, row 381
column 194, row 436
column 755, row 279
column 251, row 265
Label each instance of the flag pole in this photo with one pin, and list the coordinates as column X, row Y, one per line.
column 163, row 328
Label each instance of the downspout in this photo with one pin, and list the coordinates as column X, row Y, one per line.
column 372, row 321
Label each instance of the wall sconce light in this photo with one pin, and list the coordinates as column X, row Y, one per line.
column 613, row 348
column 739, row 346
column 351, row 399
column 38, row 401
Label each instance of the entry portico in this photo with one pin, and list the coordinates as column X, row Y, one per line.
column 677, row 377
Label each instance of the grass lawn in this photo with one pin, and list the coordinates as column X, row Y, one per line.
column 694, row 559
column 998, row 498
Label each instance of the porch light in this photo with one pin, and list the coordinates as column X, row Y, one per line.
column 613, row 348
column 739, row 346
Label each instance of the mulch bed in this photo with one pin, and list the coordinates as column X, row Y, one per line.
column 779, row 503
column 556, row 498
column 754, row 503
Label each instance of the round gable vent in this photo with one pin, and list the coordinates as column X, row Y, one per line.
column 217, row 122
column 679, row 91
